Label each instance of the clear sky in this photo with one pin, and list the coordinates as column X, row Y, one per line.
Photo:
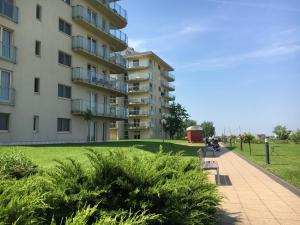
column 237, row 62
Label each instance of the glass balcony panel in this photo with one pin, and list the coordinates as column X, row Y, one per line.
column 9, row 10
column 8, row 52
column 140, row 76
column 7, row 96
column 99, row 110
column 97, row 22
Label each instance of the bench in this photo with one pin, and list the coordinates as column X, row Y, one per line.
column 207, row 164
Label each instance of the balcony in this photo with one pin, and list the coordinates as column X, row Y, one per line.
column 140, row 113
column 140, row 77
column 113, row 126
column 168, row 96
column 167, row 85
column 7, row 96
column 84, row 76
column 111, row 59
column 9, row 11
column 115, row 37
column 138, row 66
column 115, row 13
column 139, row 101
column 138, row 126
column 8, row 52
column 167, row 75
column 165, row 105
column 80, row 107
column 139, row 89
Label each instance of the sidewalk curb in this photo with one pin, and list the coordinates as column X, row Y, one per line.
column 280, row 181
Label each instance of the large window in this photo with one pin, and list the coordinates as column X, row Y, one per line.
column 4, row 121
column 63, row 125
column 136, row 63
column 64, row 27
column 64, row 91
column 64, row 58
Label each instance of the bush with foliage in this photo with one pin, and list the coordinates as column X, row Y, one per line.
column 116, row 190
column 295, row 136
column 17, row 165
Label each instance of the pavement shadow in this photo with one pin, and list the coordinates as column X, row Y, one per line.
column 227, row 218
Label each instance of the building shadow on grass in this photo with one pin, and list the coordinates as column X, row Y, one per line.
column 149, row 146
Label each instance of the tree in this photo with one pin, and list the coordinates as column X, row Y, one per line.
column 187, row 123
column 232, row 138
column 175, row 122
column 281, row 132
column 208, row 129
column 88, row 116
column 248, row 138
column 295, row 136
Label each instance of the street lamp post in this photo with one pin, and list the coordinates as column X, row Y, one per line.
column 163, row 122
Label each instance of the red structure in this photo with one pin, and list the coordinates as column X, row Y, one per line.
column 194, row 134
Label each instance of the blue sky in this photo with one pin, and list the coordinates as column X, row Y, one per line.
column 237, row 62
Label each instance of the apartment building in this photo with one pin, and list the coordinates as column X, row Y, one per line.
column 60, row 64
column 149, row 95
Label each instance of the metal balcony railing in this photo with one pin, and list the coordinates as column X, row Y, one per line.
column 167, row 85
column 140, row 88
column 82, row 13
column 140, row 76
column 80, row 106
column 134, row 113
column 7, row 96
column 9, row 11
column 8, row 52
column 138, row 125
column 89, row 77
column 133, row 101
column 168, row 96
column 83, row 44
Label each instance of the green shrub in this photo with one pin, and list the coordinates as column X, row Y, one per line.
column 118, row 190
column 16, row 165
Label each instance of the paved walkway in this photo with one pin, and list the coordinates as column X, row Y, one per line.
column 252, row 197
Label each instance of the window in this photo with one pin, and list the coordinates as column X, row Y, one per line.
column 64, row 91
column 136, row 63
column 36, row 123
column 38, row 12
column 36, row 85
column 137, row 134
column 63, row 125
column 4, row 121
column 64, row 58
column 37, row 48
column 67, row 2
column 64, row 27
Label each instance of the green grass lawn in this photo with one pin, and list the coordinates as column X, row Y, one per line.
column 285, row 159
column 44, row 155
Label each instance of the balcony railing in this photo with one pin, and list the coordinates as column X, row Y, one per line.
column 136, row 113
column 140, row 88
column 116, row 8
column 80, row 106
column 169, row 76
column 132, row 65
column 168, row 96
column 113, row 126
column 139, row 101
column 140, row 77
column 9, row 10
column 82, row 13
column 83, row 44
column 8, row 52
column 165, row 105
column 136, row 126
column 7, row 96
column 99, row 80
column 167, row 85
